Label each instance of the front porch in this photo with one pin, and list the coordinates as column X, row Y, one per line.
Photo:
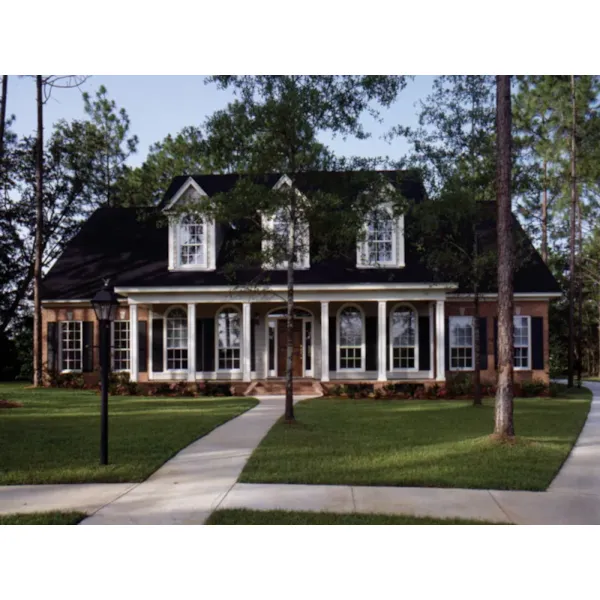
column 395, row 339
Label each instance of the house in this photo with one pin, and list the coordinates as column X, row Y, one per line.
column 378, row 315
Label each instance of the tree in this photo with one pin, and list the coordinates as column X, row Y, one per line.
column 273, row 126
column 110, row 147
column 454, row 148
column 184, row 153
column 504, row 426
column 3, row 116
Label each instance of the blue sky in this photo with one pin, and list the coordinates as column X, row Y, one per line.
column 159, row 105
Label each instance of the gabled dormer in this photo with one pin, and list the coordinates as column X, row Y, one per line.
column 277, row 225
column 193, row 239
column 381, row 241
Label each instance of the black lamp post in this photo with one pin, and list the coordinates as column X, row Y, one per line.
column 105, row 306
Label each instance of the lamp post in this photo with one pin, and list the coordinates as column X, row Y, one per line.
column 105, row 306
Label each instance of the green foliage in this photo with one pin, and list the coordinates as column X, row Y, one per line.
column 210, row 388
column 534, row 388
column 71, row 381
column 119, row 384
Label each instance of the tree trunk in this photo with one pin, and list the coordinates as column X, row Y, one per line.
column 599, row 331
column 579, row 297
column 477, row 354
column 572, row 238
column 289, row 368
column 545, row 215
column 39, row 224
column 3, row 116
column 504, row 426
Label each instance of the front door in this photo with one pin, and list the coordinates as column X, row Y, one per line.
column 282, row 347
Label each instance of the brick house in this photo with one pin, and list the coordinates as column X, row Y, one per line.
column 181, row 319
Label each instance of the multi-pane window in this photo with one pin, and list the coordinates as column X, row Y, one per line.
column 521, row 342
column 403, row 330
column 121, row 346
column 71, row 346
column 192, row 242
column 461, row 343
column 177, row 339
column 229, row 339
column 380, row 235
column 351, row 333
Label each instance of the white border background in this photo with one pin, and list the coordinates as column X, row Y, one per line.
column 321, row 37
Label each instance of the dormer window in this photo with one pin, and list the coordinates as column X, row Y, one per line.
column 382, row 240
column 279, row 234
column 191, row 242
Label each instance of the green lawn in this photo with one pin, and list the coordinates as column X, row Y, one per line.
column 427, row 443
column 43, row 518
column 55, row 436
column 285, row 517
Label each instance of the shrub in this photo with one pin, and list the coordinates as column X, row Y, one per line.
column 459, row 384
column 159, row 389
column 119, row 384
column 531, row 389
column 216, row 389
column 359, row 390
column 554, row 389
column 73, row 381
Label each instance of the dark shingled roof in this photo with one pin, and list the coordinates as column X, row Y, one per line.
column 130, row 245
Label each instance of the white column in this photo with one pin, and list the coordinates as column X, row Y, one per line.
column 246, row 341
column 431, row 340
column 381, row 341
column 191, row 327
column 133, row 343
column 325, row 341
column 440, row 326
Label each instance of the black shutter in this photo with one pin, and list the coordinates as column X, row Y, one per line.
column 371, row 343
column 537, row 343
column 483, row 357
column 199, row 344
column 495, row 342
column 447, row 345
column 209, row 345
column 142, row 346
column 424, row 344
column 157, row 345
column 88, row 346
column 332, row 345
column 253, row 346
column 52, row 341
column 387, row 346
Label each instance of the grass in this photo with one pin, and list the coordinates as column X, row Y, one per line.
column 285, row 517
column 43, row 518
column 55, row 436
column 420, row 443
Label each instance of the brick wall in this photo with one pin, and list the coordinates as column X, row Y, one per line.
column 538, row 308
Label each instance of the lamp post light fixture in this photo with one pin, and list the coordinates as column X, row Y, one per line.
column 105, row 306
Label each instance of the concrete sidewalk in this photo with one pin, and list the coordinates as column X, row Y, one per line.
column 188, row 487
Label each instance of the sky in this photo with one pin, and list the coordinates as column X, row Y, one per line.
column 159, row 105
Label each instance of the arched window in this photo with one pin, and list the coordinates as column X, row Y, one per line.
column 380, row 237
column 351, row 338
column 228, row 339
column 177, row 339
column 192, row 242
column 403, row 334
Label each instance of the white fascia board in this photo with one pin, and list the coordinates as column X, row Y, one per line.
column 453, row 297
column 298, row 287
column 188, row 183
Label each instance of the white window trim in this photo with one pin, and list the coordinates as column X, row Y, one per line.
column 60, row 347
column 338, row 349
column 528, row 367
column 174, row 233
column 416, row 346
column 178, row 242
column 165, row 347
column 241, row 348
column 450, row 346
column 362, row 247
column 112, row 345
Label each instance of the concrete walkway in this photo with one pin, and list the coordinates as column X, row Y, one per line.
column 187, row 488
column 202, row 478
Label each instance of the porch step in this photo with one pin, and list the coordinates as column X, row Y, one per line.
column 301, row 387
